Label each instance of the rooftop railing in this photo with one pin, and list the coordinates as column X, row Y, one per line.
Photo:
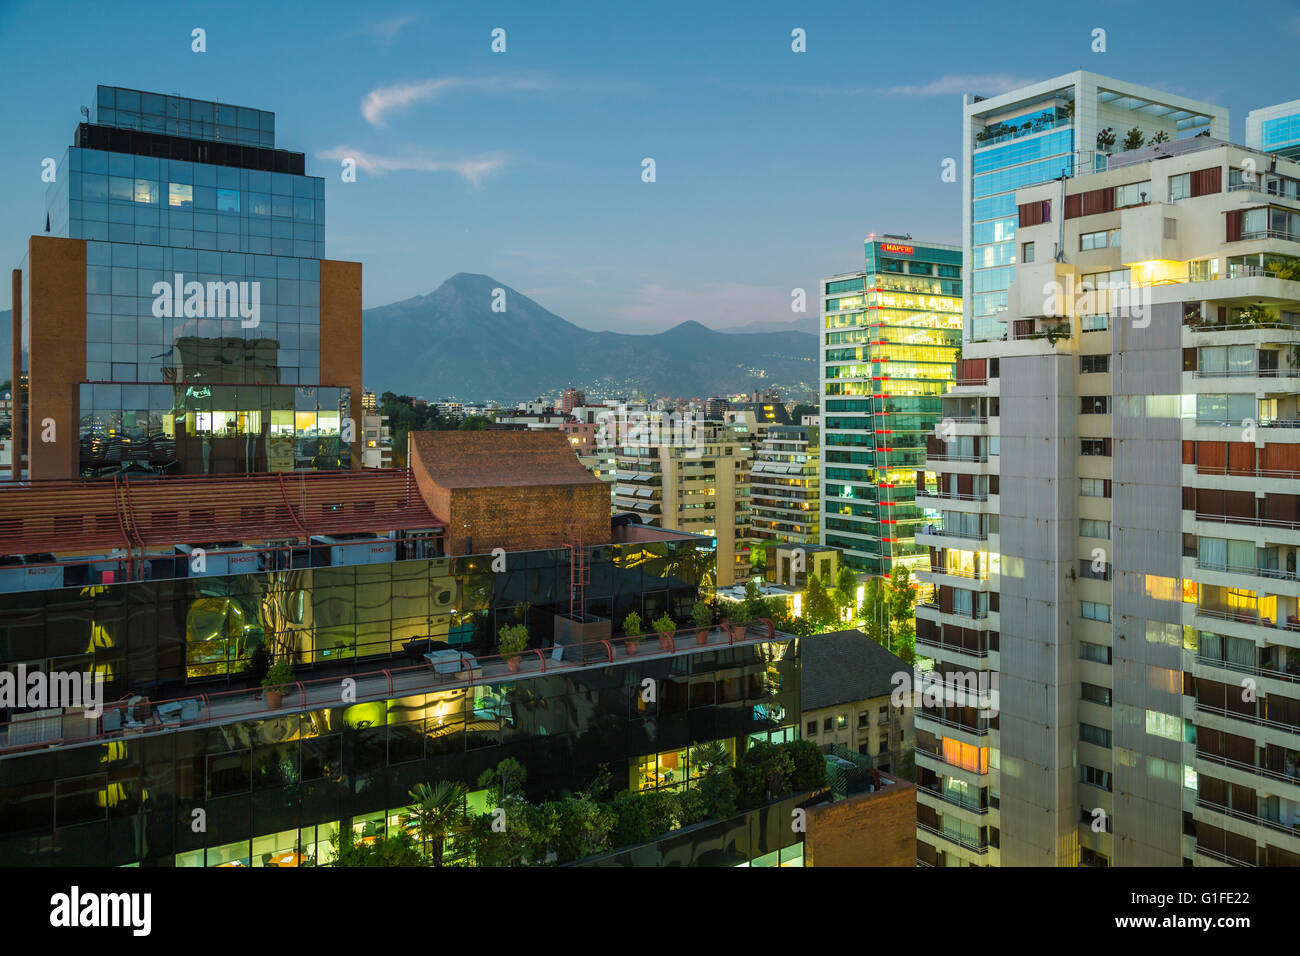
column 134, row 716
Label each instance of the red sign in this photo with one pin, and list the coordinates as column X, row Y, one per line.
column 895, row 247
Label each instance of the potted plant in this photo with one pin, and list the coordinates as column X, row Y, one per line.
column 703, row 617
column 512, row 639
column 632, row 630
column 666, row 627
column 278, row 676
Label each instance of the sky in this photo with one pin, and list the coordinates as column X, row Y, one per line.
column 770, row 165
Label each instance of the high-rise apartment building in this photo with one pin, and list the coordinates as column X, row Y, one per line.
column 1037, row 134
column 700, row 484
column 179, row 315
column 1118, row 499
column 783, row 492
column 890, row 337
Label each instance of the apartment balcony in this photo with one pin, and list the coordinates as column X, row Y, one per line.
column 937, row 536
column 1271, row 580
column 1282, row 783
column 936, row 796
column 1225, row 817
column 955, row 837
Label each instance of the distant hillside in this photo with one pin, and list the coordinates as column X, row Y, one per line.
column 451, row 344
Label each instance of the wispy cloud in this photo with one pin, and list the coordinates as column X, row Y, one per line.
column 386, row 99
column 473, row 169
column 988, row 84
column 385, row 31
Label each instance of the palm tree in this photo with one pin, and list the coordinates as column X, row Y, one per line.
column 711, row 756
column 436, row 812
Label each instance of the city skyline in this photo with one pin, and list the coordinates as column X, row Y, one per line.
column 535, row 154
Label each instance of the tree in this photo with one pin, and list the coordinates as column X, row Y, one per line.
column 799, row 411
column 1134, row 139
column 437, row 811
column 394, row 849
column 508, row 777
column 1158, row 138
column 819, row 609
column 1106, row 139
column 845, row 594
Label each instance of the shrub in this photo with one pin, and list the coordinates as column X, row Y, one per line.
column 632, row 624
column 512, row 639
column 664, row 624
column 809, row 766
column 279, row 674
column 702, row 614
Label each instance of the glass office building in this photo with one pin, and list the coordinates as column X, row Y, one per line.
column 203, row 291
column 891, row 335
column 276, row 786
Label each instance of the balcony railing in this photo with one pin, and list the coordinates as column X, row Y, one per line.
column 1277, row 574
column 1253, row 372
column 1255, row 719
column 137, row 716
column 953, row 495
column 955, row 648
column 1292, row 778
column 1248, row 519
column 1252, row 818
column 954, row 801
column 954, row 837
column 1222, row 857
column 1291, row 676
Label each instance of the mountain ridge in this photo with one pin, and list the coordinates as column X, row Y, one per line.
column 451, row 343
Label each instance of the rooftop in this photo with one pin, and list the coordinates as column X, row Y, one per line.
column 499, row 459
column 844, row 666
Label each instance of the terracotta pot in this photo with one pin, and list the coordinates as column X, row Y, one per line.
column 274, row 698
column 666, row 641
column 738, row 631
column 629, row 645
column 701, row 636
column 512, row 664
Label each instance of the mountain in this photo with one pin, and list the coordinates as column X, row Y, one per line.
column 806, row 324
column 450, row 344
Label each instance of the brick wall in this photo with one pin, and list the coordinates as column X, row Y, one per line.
column 340, row 337
column 56, row 358
column 869, row 829
column 526, row 518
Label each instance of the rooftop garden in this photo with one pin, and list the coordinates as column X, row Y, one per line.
column 441, row 830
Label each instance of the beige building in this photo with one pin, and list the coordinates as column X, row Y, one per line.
column 847, row 682
column 700, row 485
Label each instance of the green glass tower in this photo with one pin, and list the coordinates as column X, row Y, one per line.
column 891, row 337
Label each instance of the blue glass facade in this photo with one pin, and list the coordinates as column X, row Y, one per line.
column 1282, row 135
column 199, row 275
column 997, row 172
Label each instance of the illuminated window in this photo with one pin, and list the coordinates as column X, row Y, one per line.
column 180, row 195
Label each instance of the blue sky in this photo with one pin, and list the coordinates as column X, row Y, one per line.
column 771, row 165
